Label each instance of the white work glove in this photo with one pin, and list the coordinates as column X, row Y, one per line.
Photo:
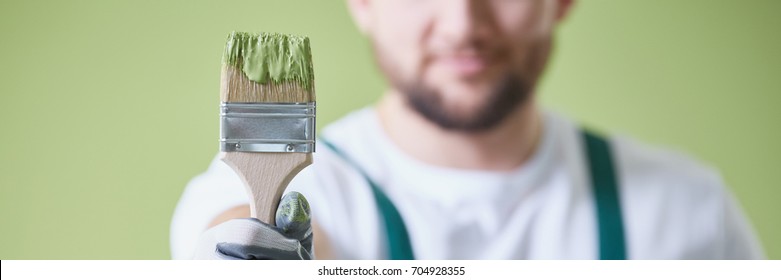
column 251, row 239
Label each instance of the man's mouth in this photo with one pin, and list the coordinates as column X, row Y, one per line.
column 468, row 65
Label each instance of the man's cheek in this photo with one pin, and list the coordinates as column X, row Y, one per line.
column 432, row 75
column 412, row 65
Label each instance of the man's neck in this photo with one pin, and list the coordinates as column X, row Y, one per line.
column 502, row 148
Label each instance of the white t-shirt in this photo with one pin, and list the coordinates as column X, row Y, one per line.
column 673, row 207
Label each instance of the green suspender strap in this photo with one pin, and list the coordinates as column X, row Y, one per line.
column 606, row 197
column 604, row 186
column 399, row 247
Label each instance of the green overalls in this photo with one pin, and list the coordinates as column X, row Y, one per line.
column 604, row 188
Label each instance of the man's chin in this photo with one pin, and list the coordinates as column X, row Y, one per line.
column 478, row 81
column 468, row 106
column 463, row 94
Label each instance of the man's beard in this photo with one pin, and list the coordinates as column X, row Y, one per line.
column 508, row 93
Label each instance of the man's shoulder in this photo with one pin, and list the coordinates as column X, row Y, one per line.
column 648, row 165
column 351, row 128
column 643, row 165
column 671, row 197
column 679, row 203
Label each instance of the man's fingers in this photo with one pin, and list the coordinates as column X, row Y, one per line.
column 243, row 252
column 249, row 239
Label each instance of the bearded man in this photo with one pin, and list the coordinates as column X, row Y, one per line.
column 458, row 161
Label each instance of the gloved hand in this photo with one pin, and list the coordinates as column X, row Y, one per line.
column 251, row 239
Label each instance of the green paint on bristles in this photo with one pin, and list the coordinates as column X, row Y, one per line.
column 271, row 57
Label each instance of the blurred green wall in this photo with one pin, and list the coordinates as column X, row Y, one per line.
column 107, row 108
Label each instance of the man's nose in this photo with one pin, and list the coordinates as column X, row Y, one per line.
column 463, row 21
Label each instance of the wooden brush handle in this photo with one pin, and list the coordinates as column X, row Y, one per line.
column 266, row 176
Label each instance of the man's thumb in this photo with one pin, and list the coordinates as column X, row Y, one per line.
column 294, row 216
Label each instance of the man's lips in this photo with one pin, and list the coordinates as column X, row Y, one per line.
column 462, row 65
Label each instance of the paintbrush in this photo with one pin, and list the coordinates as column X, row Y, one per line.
column 267, row 114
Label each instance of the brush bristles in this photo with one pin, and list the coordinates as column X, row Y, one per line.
column 236, row 87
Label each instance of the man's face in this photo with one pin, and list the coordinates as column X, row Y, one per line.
column 463, row 64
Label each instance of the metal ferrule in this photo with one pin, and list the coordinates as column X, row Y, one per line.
column 267, row 127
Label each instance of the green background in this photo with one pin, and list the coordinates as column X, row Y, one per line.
column 108, row 108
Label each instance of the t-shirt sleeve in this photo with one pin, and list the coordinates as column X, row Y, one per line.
column 740, row 240
column 205, row 196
